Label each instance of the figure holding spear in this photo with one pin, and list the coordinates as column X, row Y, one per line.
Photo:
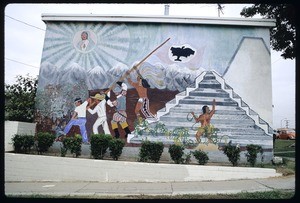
column 135, row 67
column 141, row 91
column 143, row 102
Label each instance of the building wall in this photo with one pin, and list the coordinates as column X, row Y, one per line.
column 240, row 54
column 249, row 74
column 13, row 128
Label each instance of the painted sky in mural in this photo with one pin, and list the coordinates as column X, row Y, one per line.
column 112, row 48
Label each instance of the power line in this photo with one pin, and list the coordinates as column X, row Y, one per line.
column 25, row 23
column 21, row 62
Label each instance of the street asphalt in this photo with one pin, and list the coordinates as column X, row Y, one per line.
column 30, row 175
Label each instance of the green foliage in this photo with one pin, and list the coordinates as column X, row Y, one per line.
column 187, row 157
column 176, row 153
column 63, row 151
column 141, row 126
column 151, row 151
column 73, row 144
column 283, row 35
column 18, row 141
column 252, row 151
column 274, row 194
column 20, row 99
column 284, row 148
column 181, row 136
column 233, row 153
column 201, row 156
column 23, row 143
column 159, row 128
column 283, row 145
column 99, row 145
column 116, row 146
column 44, row 141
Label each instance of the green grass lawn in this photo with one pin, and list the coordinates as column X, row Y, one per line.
column 276, row 194
column 283, row 148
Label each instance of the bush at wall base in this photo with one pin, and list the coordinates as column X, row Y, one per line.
column 233, row 153
column 44, row 141
column 150, row 151
column 73, row 144
column 116, row 146
column 23, row 143
column 201, row 156
column 99, row 145
column 252, row 151
column 176, row 152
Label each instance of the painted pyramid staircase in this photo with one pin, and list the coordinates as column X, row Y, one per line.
column 233, row 117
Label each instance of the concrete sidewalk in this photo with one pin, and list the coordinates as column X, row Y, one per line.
column 98, row 189
column 62, row 176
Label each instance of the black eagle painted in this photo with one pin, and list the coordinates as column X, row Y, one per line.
column 181, row 51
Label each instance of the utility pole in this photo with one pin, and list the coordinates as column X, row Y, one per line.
column 220, row 9
column 287, row 123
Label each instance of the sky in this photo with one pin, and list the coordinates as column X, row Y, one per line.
column 24, row 33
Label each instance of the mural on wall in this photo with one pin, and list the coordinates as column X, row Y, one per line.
column 183, row 51
column 83, row 59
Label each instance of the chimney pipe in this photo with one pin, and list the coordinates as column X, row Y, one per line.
column 167, row 6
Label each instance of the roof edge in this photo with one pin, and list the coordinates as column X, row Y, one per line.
column 161, row 19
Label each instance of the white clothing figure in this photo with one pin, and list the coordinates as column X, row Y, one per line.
column 79, row 118
column 100, row 109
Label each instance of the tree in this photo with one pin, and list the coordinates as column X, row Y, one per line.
column 20, row 99
column 283, row 35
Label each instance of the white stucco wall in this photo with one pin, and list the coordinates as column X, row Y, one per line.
column 249, row 74
column 16, row 127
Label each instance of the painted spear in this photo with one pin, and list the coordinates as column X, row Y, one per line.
column 135, row 67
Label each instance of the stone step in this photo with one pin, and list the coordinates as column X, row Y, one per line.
column 198, row 108
column 217, row 94
column 208, row 99
column 204, row 90
column 201, row 102
column 191, row 135
column 209, row 84
column 171, row 116
column 218, row 124
column 209, row 76
column 192, row 131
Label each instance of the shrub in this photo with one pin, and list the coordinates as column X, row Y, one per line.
column 44, row 141
column 187, row 158
column 252, row 151
column 28, row 143
column 151, row 151
column 176, row 153
column 201, row 156
column 63, row 151
column 23, row 143
column 73, row 144
column 116, row 146
column 99, row 145
column 144, row 151
column 233, row 153
column 18, row 143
